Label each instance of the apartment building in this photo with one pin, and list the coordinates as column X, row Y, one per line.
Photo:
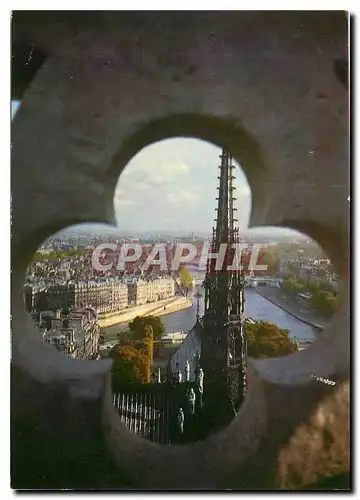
column 137, row 290
column 141, row 291
column 165, row 288
column 75, row 333
column 120, row 296
column 107, row 295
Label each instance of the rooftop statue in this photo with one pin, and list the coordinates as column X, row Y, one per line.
column 187, row 371
column 200, row 380
column 180, row 420
column 178, row 374
column 200, row 385
column 191, row 400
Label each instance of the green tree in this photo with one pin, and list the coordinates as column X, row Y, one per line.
column 38, row 256
column 271, row 258
column 186, row 281
column 324, row 301
column 293, row 286
column 146, row 346
column 326, row 287
column 312, row 287
column 124, row 335
column 129, row 366
column 143, row 326
column 267, row 340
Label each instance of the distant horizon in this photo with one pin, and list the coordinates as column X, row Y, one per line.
column 99, row 230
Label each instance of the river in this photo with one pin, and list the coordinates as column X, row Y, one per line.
column 256, row 307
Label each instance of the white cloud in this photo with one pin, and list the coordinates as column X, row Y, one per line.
column 178, row 168
column 182, row 196
column 121, row 200
column 126, row 202
column 156, row 174
column 173, row 184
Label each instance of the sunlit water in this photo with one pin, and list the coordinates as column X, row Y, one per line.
column 256, row 307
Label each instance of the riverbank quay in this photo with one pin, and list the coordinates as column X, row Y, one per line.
column 160, row 308
column 276, row 296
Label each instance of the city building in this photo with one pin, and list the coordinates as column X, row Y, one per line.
column 75, row 333
column 318, row 274
column 104, row 295
column 35, row 297
column 141, row 291
column 64, row 270
column 59, row 296
column 165, row 288
column 137, row 290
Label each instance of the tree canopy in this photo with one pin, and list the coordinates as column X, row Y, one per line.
column 133, row 355
column 267, row 340
column 146, row 346
column 293, row 286
column 271, row 258
column 186, row 281
column 323, row 298
column 56, row 255
column 146, row 326
column 130, row 366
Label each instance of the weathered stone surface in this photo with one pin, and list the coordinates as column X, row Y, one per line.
column 319, row 448
column 260, row 84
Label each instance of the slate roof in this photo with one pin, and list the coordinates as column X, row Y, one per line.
column 187, row 351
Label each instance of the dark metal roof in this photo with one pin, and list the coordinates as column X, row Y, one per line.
column 187, row 351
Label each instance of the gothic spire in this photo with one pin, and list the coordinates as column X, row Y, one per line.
column 224, row 351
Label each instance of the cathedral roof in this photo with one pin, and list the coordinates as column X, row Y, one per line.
column 187, row 351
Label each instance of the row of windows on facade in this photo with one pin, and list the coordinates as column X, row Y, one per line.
column 107, row 297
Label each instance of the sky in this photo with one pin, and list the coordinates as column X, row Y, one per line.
column 172, row 185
